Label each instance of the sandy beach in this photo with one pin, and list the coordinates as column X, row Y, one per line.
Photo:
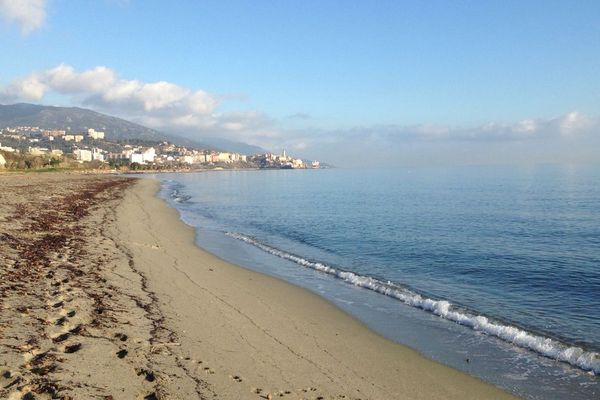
column 104, row 295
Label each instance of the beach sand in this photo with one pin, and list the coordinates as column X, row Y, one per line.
column 104, row 295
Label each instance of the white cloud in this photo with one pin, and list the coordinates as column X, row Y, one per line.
column 569, row 138
column 64, row 79
column 526, row 126
column 30, row 88
column 30, row 14
column 195, row 113
column 575, row 122
column 160, row 105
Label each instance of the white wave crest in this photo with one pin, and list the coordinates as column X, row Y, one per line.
column 551, row 348
column 178, row 197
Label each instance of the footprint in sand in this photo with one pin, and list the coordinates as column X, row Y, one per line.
column 8, row 379
column 44, row 369
column 76, row 330
column 28, row 396
column 236, row 378
column 148, row 375
column 22, row 309
column 208, row 370
column 59, row 304
column 121, row 336
column 72, row 348
column 122, row 353
column 61, row 338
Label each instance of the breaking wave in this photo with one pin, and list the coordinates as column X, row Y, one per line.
column 551, row 348
column 177, row 194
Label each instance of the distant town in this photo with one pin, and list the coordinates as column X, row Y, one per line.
column 32, row 147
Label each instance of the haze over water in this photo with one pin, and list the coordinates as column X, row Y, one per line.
column 518, row 245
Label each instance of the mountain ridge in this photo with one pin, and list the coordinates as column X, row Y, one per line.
column 77, row 119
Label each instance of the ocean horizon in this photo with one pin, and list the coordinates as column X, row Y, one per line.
column 491, row 270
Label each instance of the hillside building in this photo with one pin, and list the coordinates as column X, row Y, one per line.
column 94, row 134
column 82, row 155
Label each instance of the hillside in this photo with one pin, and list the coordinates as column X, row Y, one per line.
column 78, row 119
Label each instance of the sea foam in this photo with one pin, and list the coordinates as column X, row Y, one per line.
column 551, row 348
column 179, row 197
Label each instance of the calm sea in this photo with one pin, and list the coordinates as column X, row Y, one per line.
column 492, row 270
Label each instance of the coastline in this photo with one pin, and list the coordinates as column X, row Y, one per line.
column 105, row 294
column 275, row 336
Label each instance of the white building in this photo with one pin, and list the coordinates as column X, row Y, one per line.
column 283, row 157
column 136, row 158
column 141, row 157
column 76, row 138
column 83, row 155
column 7, row 148
column 37, row 151
column 97, row 154
column 94, row 134
column 127, row 153
column 149, row 155
column 224, row 157
column 53, row 132
column 186, row 159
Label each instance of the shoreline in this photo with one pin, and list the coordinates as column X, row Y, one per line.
column 355, row 345
column 104, row 294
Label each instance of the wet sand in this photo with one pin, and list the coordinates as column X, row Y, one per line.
column 103, row 294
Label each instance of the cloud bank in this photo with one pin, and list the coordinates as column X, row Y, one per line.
column 29, row 14
column 571, row 138
column 195, row 114
column 161, row 105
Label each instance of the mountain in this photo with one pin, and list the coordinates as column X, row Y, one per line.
column 77, row 119
column 230, row 145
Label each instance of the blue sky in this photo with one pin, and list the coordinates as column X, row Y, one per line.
column 314, row 75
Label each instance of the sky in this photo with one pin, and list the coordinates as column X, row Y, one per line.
column 347, row 82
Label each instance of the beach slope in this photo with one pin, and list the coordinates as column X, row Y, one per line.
column 245, row 334
column 123, row 305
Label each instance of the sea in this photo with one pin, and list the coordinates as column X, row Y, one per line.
column 491, row 270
